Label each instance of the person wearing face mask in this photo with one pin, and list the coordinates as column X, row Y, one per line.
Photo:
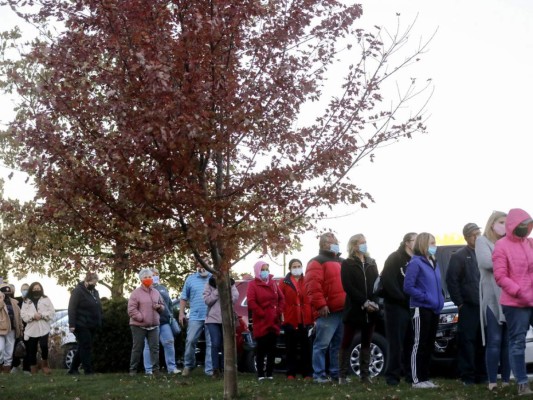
column 38, row 312
column 397, row 314
column 166, row 337
column 358, row 273
column 193, row 293
column 10, row 325
column 462, row 280
column 324, row 288
column 84, row 318
column 17, row 360
column 213, row 322
column 144, row 308
column 423, row 284
column 495, row 333
column 266, row 303
column 297, row 320
column 513, row 271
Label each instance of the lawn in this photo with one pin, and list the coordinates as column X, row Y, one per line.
column 60, row 386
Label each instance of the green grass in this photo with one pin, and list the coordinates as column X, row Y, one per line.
column 60, row 386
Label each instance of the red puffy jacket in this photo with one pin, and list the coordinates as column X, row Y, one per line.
column 297, row 306
column 266, row 303
column 323, row 282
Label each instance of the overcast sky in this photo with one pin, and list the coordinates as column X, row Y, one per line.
column 476, row 155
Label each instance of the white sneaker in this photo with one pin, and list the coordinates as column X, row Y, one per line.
column 176, row 371
column 422, row 385
column 261, row 378
column 432, row 385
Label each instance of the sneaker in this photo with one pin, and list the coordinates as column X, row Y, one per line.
column 261, row 378
column 322, row 380
column 14, row 370
column 432, row 385
column 270, row 378
column 422, row 385
column 148, row 373
column 186, row 371
column 343, row 381
column 492, row 386
column 291, row 377
column 523, row 389
column 176, row 371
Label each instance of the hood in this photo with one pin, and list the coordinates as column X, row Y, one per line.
column 514, row 218
column 257, row 268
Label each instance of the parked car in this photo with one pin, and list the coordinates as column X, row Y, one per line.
column 59, row 326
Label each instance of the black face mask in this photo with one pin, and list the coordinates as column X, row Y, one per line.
column 521, row 231
column 36, row 294
column 91, row 287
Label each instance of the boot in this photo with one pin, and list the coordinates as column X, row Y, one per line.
column 45, row 367
column 34, row 369
column 344, row 364
column 364, row 365
column 6, row 369
column 216, row 374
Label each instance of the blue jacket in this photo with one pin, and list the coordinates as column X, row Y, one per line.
column 422, row 283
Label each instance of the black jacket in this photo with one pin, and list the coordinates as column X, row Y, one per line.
column 462, row 277
column 358, row 282
column 393, row 275
column 84, row 308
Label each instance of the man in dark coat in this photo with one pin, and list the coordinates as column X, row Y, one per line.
column 462, row 279
column 84, row 318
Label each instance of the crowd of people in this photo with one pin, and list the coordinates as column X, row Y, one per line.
column 321, row 312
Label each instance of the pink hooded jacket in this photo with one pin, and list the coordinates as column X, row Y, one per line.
column 513, row 263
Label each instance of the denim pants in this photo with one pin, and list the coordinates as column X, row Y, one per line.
column 217, row 346
column 138, row 336
column 329, row 332
column 518, row 321
column 7, row 345
column 194, row 330
column 166, row 339
column 497, row 349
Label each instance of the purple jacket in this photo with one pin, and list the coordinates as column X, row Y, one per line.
column 140, row 307
column 214, row 314
column 513, row 263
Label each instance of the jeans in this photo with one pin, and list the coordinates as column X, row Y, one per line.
column 84, row 337
column 7, row 345
column 497, row 349
column 138, row 336
column 194, row 329
column 471, row 362
column 518, row 321
column 328, row 334
column 166, row 338
column 217, row 347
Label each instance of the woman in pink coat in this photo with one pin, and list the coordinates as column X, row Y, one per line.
column 513, row 271
column 266, row 302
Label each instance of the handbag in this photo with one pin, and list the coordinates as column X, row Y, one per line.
column 20, row 350
column 378, row 290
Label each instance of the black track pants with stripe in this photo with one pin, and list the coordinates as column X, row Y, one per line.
column 425, row 323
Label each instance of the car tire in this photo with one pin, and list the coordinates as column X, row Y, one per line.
column 68, row 355
column 378, row 355
column 248, row 362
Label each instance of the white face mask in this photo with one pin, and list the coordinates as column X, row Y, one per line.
column 297, row 271
column 203, row 273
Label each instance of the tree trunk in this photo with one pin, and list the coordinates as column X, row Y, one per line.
column 119, row 266
column 228, row 331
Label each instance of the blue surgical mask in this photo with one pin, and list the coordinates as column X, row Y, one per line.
column 24, row 293
column 363, row 248
column 156, row 279
column 334, row 248
column 264, row 275
column 432, row 250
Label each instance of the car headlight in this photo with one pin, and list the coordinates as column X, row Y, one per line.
column 450, row 318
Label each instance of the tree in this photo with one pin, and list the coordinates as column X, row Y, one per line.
column 177, row 125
